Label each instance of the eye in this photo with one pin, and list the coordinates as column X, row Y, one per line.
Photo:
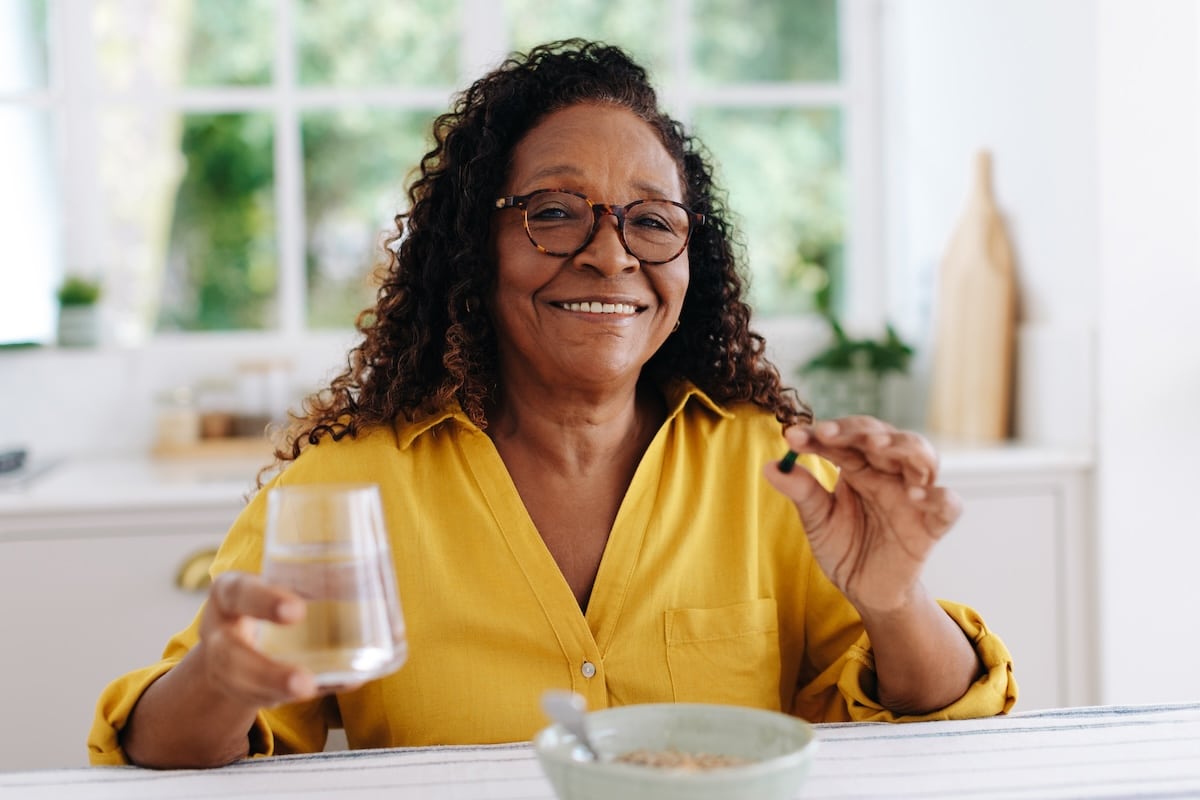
column 652, row 222
column 555, row 207
column 657, row 217
column 548, row 211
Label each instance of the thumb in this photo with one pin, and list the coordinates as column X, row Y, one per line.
column 814, row 503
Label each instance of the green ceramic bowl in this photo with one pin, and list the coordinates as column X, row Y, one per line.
column 779, row 746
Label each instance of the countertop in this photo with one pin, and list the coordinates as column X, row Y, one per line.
column 83, row 485
column 70, row 496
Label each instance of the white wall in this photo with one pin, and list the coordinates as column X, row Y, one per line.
column 60, row 402
column 1090, row 111
column 1148, row 479
column 1015, row 77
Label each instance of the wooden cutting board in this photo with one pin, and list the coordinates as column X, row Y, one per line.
column 975, row 321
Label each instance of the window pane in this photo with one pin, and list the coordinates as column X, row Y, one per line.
column 23, row 63
column 172, row 43
column 230, row 42
column 638, row 26
column 783, row 170
column 353, row 189
column 767, row 40
column 221, row 265
column 138, row 169
column 28, row 227
column 372, row 43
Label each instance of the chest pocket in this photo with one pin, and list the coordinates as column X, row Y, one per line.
column 727, row 655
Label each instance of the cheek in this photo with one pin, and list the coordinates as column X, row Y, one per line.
column 676, row 279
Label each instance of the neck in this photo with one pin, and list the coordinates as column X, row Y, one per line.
column 576, row 432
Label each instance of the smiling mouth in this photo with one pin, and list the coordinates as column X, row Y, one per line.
column 594, row 307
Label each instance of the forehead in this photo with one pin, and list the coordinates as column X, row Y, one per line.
column 595, row 148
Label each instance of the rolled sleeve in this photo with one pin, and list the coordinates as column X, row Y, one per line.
column 846, row 690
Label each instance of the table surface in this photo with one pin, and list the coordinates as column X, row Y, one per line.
column 1098, row 752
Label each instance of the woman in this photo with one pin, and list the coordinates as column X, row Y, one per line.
column 571, row 422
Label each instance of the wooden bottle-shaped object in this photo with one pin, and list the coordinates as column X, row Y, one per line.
column 971, row 389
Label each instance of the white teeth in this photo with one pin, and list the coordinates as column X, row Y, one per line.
column 601, row 308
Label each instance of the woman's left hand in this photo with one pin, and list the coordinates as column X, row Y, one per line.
column 873, row 533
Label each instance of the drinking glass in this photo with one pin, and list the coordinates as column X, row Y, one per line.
column 328, row 544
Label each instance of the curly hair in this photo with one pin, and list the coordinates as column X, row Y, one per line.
column 422, row 346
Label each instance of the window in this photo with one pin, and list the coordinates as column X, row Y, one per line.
column 231, row 165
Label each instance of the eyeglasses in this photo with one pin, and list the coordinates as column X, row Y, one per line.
column 562, row 223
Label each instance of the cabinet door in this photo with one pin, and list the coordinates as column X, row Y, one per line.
column 1002, row 559
column 79, row 612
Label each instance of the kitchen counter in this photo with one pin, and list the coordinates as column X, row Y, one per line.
column 65, row 496
column 53, row 495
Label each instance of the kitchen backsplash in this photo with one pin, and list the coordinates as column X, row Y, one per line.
column 63, row 402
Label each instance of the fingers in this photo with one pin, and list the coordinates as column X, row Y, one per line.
column 941, row 507
column 238, row 604
column 238, row 594
column 238, row 669
column 813, row 502
column 860, row 443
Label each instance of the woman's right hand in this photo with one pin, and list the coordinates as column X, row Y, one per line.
column 232, row 664
column 200, row 713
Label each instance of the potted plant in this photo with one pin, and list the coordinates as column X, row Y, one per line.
column 78, row 312
column 847, row 377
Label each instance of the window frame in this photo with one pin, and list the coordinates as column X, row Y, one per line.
column 75, row 95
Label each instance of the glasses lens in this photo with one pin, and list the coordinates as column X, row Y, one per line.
column 558, row 222
column 656, row 230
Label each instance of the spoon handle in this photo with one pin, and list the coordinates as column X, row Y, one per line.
column 567, row 708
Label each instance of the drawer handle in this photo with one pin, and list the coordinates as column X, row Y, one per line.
column 193, row 572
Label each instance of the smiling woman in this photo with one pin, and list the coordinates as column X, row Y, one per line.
column 577, row 457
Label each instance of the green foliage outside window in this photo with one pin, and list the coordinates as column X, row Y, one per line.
column 221, row 270
column 783, row 166
column 766, row 40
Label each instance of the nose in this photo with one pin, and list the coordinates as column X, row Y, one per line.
column 606, row 252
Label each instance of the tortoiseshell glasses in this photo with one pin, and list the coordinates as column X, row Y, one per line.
column 562, row 223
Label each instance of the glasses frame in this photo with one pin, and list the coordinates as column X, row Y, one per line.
column 521, row 201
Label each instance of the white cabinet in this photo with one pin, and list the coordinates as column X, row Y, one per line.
column 88, row 564
column 80, row 609
column 1021, row 555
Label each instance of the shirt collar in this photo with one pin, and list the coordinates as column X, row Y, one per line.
column 677, row 393
column 407, row 432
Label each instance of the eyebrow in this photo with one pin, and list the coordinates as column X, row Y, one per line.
column 648, row 190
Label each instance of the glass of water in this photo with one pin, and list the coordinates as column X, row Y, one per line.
column 328, row 544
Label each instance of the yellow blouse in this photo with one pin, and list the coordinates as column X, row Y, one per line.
column 707, row 592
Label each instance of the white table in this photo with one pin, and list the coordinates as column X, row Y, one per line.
column 1100, row 752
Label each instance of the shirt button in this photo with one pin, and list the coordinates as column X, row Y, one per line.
column 588, row 669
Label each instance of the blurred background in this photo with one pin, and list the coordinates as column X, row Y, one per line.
column 229, row 165
column 224, row 171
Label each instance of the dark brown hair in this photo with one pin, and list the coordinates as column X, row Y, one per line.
column 423, row 346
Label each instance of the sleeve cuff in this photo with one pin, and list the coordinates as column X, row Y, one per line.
column 846, row 690
column 994, row 692
column 112, row 713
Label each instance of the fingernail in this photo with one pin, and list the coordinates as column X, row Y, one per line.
column 289, row 610
column 827, row 429
column 788, row 461
column 301, row 684
column 916, row 493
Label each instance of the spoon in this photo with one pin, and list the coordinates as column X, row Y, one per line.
column 567, row 709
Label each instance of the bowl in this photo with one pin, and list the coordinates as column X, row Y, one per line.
column 779, row 747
